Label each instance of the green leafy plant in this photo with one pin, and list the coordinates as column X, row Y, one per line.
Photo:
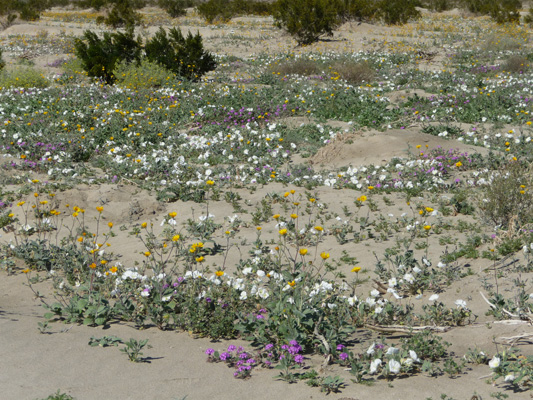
column 183, row 55
column 133, row 349
column 307, row 20
column 105, row 341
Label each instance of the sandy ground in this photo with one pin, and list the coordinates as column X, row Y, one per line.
column 35, row 365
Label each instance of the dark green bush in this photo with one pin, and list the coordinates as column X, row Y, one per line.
column 99, row 56
column 96, row 4
column 398, row 12
column 185, row 56
column 175, row 8
column 503, row 11
column 123, row 13
column 216, row 11
column 307, row 20
column 359, row 10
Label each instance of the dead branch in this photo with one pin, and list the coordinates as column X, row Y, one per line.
column 404, row 329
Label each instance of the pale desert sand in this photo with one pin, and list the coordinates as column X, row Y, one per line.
column 35, row 365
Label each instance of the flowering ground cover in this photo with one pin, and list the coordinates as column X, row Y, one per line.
column 353, row 217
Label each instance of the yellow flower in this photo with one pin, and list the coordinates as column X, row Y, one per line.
column 172, row 214
column 99, row 209
column 20, row 203
column 283, row 231
column 200, row 259
column 113, row 270
column 11, row 215
column 356, row 269
column 175, row 238
column 103, row 262
column 147, row 253
column 210, row 183
column 421, row 212
column 291, row 284
column 258, row 228
column 319, row 228
column 92, row 266
column 219, row 273
column 303, row 252
column 427, row 227
column 110, row 224
column 362, row 198
column 293, row 191
column 275, row 216
column 80, row 239
column 144, row 224
column 324, row 255
column 294, row 216
column 370, row 187
column 418, row 146
column 227, row 232
column 429, row 209
column 286, row 194
column 26, row 270
column 312, row 200
column 458, row 164
column 75, row 214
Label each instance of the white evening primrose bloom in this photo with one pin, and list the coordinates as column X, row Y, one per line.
column 394, row 366
column 374, row 365
column 374, row 293
column 460, row 303
column 243, row 296
column 371, row 349
column 434, row 297
column 392, row 351
column 495, row 362
column 509, row 378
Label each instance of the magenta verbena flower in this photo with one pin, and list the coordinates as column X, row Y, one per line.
column 232, row 348
column 343, row 356
column 210, row 352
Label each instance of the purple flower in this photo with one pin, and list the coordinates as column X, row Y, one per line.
column 285, row 347
column 250, row 361
column 299, row 358
column 210, row 352
column 269, row 346
column 293, row 343
column 340, row 347
column 242, row 356
column 343, row 356
column 232, row 348
column 224, row 356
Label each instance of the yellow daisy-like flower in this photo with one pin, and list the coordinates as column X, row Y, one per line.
column 303, row 252
column 429, row 209
column 427, row 227
column 113, row 270
column 219, row 273
column 458, row 164
column 175, row 238
column 370, row 187
column 275, row 216
column 319, row 228
column 356, row 269
column 99, row 209
column 312, row 200
column 294, row 216
column 362, row 198
column 172, row 214
column 110, row 224
column 147, row 253
column 144, row 225
column 26, row 270
column 200, row 259
column 92, row 266
column 283, row 231
column 286, row 194
column 210, row 182
column 258, row 228
column 324, row 255
column 292, row 283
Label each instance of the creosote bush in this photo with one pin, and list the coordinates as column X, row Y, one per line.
column 307, row 20
column 353, row 72
column 398, row 12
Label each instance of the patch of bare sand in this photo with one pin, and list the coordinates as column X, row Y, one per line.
column 375, row 147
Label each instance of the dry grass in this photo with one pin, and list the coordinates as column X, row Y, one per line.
column 353, row 72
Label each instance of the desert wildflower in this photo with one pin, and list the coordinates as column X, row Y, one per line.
column 294, row 216
column 324, row 255
column 362, row 198
column 147, row 253
column 292, row 283
column 99, row 209
column 26, row 270
column 356, row 269
column 144, row 225
column 275, row 216
column 92, row 266
column 427, row 227
column 283, row 232
column 110, row 224
column 172, row 214
column 200, row 259
column 175, row 238
column 219, row 273
column 210, row 182
column 303, row 252
column 458, row 164
column 319, row 228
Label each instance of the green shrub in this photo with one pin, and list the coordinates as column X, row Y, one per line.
column 146, row 74
column 517, row 64
column 100, row 56
column 503, row 11
column 398, row 12
column 216, row 11
column 123, row 14
column 307, row 20
column 360, row 10
column 175, row 8
column 96, row 4
column 185, row 56
column 251, row 7
column 26, row 77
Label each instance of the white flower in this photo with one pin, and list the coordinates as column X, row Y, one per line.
column 244, row 295
column 417, row 270
column 247, row 271
column 434, row 297
column 413, row 355
column 374, row 365
column 392, row 351
column 290, row 300
column 394, row 366
column 495, row 362
column 378, row 310
column 460, row 303
column 370, row 301
column 331, row 306
column 374, row 293
column 509, row 378
column 441, row 264
column 261, row 273
column 392, row 282
column 352, row 300
column 409, row 278
column 263, row 293
column 371, row 349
